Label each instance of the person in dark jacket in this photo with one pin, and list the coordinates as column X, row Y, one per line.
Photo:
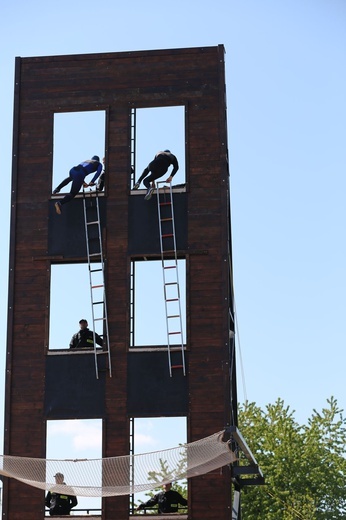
column 85, row 337
column 77, row 176
column 158, row 167
column 60, row 503
column 167, row 500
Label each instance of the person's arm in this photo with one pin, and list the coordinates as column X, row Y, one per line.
column 73, row 342
column 99, row 340
column 175, row 167
column 151, row 502
column 73, row 501
column 47, row 500
column 144, row 174
column 182, row 501
column 101, row 181
column 97, row 174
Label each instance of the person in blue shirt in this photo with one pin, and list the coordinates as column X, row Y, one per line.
column 77, row 176
column 157, row 168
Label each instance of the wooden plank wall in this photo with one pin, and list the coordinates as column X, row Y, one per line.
column 117, row 82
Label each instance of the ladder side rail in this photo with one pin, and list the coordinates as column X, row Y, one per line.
column 105, row 315
column 133, row 146
column 132, row 463
column 164, row 281
column 132, row 304
column 90, row 277
column 107, row 334
column 132, row 182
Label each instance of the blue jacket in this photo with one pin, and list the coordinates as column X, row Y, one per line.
column 91, row 166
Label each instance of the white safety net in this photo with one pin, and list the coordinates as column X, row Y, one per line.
column 120, row 475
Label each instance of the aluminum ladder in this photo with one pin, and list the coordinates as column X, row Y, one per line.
column 133, row 145
column 170, row 273
column 93, row 238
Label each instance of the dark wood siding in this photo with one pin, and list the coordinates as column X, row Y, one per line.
column 193, row 78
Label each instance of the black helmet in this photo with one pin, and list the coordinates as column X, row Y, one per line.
column 95, row 158
column 168, row 151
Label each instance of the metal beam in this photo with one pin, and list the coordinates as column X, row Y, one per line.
column 245, row 470
column 239, row 439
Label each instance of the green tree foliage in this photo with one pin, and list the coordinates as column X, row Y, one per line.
column 304, row 466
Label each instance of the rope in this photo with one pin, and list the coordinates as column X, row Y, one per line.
column 240, row 353
column 120, row 475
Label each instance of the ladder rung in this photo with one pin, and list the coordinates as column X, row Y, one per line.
column 174, row 316
column 165, row 203
column 95, row 254
column 175, row 332
column 168, row 251
column 177, row 366
column 169, row 266
column 173, row 300
column 97, row 286
column 171, row 283
column 99, row 319
column 97, row 303
column 95, row 270
column 93, row 222
column 167, row 235
column 166, row 219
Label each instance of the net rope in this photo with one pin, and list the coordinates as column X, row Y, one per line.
column 120, row 475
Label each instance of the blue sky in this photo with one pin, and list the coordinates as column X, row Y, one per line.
column 286, row 85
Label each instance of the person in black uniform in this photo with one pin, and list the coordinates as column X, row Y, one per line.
column 158, row 167
column 85, row 337
column 167, row 500
column 60, row 503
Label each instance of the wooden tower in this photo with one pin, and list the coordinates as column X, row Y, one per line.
column 37, row 388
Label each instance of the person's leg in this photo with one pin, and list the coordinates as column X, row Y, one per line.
column 77, row 177
column 156, row 169
column 57, row 189
column 64, row 183
column 156, row 174
column 149, row 183
column 144, row 174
